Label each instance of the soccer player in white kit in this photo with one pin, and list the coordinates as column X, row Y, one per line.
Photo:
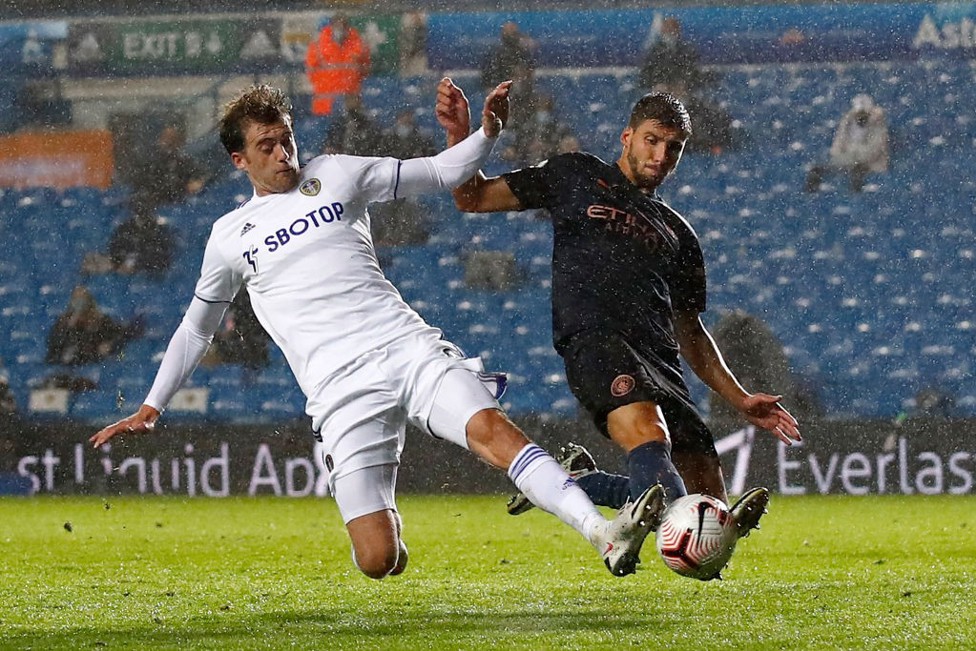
column 366, row 362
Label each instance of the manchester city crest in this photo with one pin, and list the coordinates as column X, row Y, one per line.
column 311, row 187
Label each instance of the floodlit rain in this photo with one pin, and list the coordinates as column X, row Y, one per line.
column 627, row 324
column 826, row 176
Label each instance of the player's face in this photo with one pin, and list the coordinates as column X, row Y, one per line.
column 651, row 152
column 270, row 157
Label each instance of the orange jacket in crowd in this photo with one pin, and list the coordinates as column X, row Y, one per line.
column 335, row 69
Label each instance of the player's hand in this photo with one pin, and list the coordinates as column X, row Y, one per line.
column 141, row 422
column 494, row 117
column 764, row 410
column 452, row 110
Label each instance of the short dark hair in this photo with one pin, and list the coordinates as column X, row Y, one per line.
column 259, row 103
column 663, row 107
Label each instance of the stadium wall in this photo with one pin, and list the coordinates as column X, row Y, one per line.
column 24, row 9
column 187, row 60
column 856, row 458
column 274, row 41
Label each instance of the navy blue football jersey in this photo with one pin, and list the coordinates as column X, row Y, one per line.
column 622, row 260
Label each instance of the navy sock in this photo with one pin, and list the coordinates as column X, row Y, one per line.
column 605, row 489
column 650, row 463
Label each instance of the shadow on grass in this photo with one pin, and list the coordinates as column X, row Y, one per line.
column 336, row 628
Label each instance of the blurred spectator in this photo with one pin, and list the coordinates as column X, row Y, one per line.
column 33, row 52
column 793, row 37
column 400, row 222
column 167, row 174
column 714, row 128
column 540, row 137
column 934, row 402
column 336, row 64
column 413, row 44
column 491, row 270
column 714, row 131
column 860, row 146
column 83, row 334
column 9, row 418
column 670, row 59
column 41, row 103
column 353, row 132
column 568, row 144
column 750, row 347
column 406, row 140
column 143, row 243
column 8, row 404
column 671, row 65
column 512, row 58
column 241, row 339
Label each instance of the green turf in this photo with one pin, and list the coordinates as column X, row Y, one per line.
column 824, row 573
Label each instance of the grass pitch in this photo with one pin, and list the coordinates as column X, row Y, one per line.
column 823, row 573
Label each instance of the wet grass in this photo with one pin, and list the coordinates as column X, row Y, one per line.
column 129, row 573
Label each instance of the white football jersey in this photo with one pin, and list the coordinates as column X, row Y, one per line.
column 307, row 260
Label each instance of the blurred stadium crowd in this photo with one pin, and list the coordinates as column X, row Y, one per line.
column 869, row 294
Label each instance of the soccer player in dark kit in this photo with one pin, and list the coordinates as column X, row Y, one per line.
column 628, row 289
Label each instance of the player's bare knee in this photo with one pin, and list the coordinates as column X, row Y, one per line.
column 375, row 542
column 378, row 572
column 376, row 562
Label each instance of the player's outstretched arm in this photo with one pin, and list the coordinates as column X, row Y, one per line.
column 703, row 356
column 494, row 115
column 185, row 350
column 459, row 162
column 479, row 193
column 453, row 111
column 765, row 411
column 141, row 422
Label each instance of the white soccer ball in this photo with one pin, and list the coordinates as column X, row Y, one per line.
column 696, row 537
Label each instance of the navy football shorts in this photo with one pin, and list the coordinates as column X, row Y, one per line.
column 605, row 372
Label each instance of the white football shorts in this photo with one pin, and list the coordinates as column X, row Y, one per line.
column 362, row 410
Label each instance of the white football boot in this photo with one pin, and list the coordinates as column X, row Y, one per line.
column 621, row 541
column 747, row 511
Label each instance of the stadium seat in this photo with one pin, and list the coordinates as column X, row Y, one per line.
column 869, row 293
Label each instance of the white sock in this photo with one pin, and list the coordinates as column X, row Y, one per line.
column 547, row 485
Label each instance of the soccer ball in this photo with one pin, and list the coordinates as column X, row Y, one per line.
column 696, row 537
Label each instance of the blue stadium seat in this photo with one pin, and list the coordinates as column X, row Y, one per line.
column 869, row 292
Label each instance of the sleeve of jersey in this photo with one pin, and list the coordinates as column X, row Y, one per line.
column 445, row 171
column 215, row 289
column 691, row 286
column 536, row 186
column 218, row 282
column 186, row 348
